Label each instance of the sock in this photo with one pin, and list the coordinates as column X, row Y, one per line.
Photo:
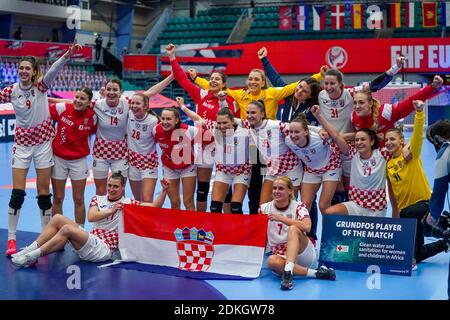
column 32, row 246
column 35, row 254
column 46, row 215
column 289, row 267
column 13, row 219
column 311, row 273
column 81, row 225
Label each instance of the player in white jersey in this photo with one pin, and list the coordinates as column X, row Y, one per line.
column 269, row 137
column 336, row 104
column 142, row 155
column 367, row 191
column 231, row 143
column 110, row 145
column 33, row 137
column 293, row 253
column 100, row 243
column 322, row 160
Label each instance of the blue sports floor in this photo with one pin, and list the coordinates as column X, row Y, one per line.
column 50, row 278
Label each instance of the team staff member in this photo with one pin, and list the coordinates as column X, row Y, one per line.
column 409, row 184
column 208, row 104
column 32, row 138
column 75, row 122
column 293, row 253
column 96, row 246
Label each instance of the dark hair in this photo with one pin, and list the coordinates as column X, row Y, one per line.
column 315, row 87
column 36, row 67
column 116, row 81
column 87, row 91
column 260, row 104
column 339, row 76
column 225, row 111
column 118, row 176
column 372, row 135
column 147, row 104
column 223, row 76
column 301, row 118
column 441, row 128
column 176, row 112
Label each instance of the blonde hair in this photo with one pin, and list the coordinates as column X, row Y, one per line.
column 288, row 182
column 374, row 108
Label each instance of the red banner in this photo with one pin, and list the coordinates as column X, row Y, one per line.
column 144, row 62
column 285, row 18
column 42, row 50
column 306, row 57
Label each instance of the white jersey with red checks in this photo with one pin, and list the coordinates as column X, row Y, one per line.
column 338, row 111
column 108, row 229
column 368, row 180
column 269, row 138
column 33, row 123
column 318, row 155
column 232, row 152
column 110, row 142
column 277, row 232
column 141, row 143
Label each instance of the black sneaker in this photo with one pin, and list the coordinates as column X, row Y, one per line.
column 326, row 273
column 286, row 281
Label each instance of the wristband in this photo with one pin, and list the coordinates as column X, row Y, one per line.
column 395, row 68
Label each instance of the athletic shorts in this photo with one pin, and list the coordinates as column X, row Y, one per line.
column 206, row 159
column 346, row 166
column 308, row 258
column 94, row 250
column 228, row 178
column 41, row 154
column 75, row 169
column 136, row 174
column 295, row 174
column 330, row 175
column 170, row 174
column 100, row 167
column 356, row 210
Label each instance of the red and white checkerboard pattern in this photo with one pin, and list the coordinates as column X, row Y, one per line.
column 194, row 255
column 110, row 150
column 279, row 249
column 36, row 135
column 143, row 162
column 111, row 238
column 238, row 170
column 369, row 199
column 285, row 163
column 334, row 162
column 5, row 94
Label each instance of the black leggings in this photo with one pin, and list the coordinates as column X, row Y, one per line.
column 254, row 189
column 422, row 251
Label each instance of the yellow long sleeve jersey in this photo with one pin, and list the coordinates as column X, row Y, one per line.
column 271, row 96
column 408, row 180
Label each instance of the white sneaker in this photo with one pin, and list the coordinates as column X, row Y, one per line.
column 21, row 252
column 23, row 261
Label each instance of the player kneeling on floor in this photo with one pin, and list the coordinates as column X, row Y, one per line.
column 100, row 243
column 289, row 222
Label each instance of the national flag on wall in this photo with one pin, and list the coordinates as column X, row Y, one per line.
column 429, row 14
column 445, row 13
column 319, row 18
column 375, row 20
column 357, row 15
column 302, row 17
column 337, row 16
column 410, row 14
column 285, row 18
column 394, row 15
column 221, row 244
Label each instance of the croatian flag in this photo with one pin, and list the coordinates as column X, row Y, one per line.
column 302, row 17
column 194, row 242
column 319, row 18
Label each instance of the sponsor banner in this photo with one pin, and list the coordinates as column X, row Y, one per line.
column 7, row 122
column 224, row 244
column 306, row 56
column 47, row 50
column 354, row 243
column 143, row 62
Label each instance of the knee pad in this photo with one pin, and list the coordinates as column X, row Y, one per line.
column 202, row 191
column 45, row 201
column 228, row 196
column 17, row 199
column 216, row 206
column 236, row 207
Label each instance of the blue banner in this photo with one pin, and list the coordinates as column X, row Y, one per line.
column 354, row 243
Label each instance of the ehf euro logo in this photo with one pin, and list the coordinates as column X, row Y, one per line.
column 336, row 57
column 195, row 249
